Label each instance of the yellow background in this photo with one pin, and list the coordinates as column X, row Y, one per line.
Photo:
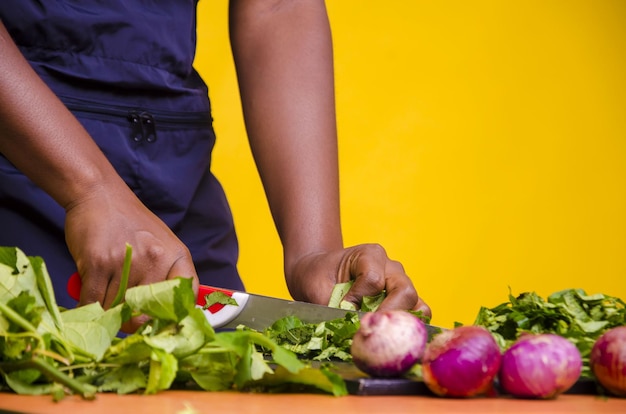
column 483, row 143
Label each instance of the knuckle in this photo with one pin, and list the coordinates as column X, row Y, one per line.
column 375, row 249
column 95, row 260
column 411, row 294
column 395, row 267
column 373, row 281
column 154, row 252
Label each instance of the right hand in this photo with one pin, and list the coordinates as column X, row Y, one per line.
column 97, row 230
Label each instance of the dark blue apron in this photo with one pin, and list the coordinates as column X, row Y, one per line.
column 124, row 68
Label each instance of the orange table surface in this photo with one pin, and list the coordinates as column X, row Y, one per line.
column 190, row 402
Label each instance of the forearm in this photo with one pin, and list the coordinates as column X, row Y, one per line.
column 283, row 55
column 41, row 137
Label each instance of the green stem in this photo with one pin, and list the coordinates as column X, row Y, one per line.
column 90, row 365
column 121, row 292
column 17, row 318
column 85, row 390
column 54, row 374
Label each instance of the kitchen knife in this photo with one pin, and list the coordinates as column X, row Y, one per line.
column 254, row 311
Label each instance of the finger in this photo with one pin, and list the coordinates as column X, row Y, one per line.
column 424, row 308
column 95, row 287
column 103, row 289
column 367, row 268
column 184, row 267
column 100, row 275
column 400, row 292
column 134, row 323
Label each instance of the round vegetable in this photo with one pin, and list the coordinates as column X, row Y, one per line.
column 608, row 360
column 388, row 343
column 540, row 366
column 462, row 362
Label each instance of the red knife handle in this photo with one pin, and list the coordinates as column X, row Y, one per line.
column 73, row 286
column 217, row 314
column 204, row 291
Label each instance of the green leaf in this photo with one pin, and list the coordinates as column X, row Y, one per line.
column 169, row 300
column 243, row 344
column 213, row 370
column 13, row 347
column 44, row 284
column 17, row 275
column 129, row 350
column 186, row 337
column 344, row 304
column 123, row 380
column 26, row 307
column 91, row 337
column 258, row 365
column 307, row 379
column 92, row 329
column 20, row 385
column 218, row 297
column 371, row 303
column 163, row 368
column 338, row 293
column 9, row 259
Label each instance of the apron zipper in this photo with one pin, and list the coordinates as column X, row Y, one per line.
column 142, row 122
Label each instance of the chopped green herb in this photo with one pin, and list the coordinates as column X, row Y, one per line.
column 324, row 341
column 571, row 313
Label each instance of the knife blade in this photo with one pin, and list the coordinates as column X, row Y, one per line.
column 254, row 311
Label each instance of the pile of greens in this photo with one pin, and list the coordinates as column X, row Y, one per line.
column 324, row 341
column 571, row 313
column 329, row 340
column 48, row 350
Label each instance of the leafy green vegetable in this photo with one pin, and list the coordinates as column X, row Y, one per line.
column 322, row 341
column 571, row 313
column 338, row 293
column 46, row 350
column 307, row 380
column 218, row 297
column 32, row 340
column 368, row 303
column 167, row 301
column 371, row 303
column 93, row 329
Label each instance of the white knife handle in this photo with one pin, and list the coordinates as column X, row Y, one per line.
column 226, row 313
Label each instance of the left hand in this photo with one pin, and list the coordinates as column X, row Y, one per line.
column 314, row 276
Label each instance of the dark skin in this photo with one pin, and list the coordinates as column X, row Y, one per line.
column 283, row 57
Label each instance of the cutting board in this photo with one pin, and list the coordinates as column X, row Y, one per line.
column 359, row 383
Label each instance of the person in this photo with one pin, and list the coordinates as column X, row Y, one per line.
column 106, row 137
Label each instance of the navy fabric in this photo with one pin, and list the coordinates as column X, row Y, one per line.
column 103, row 50
column 124, row 68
